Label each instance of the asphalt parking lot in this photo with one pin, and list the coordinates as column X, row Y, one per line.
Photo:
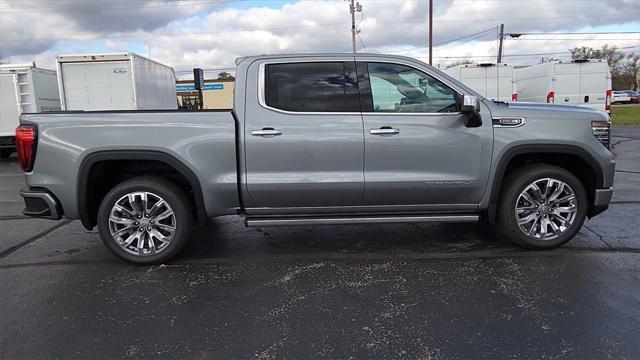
column 417, row 291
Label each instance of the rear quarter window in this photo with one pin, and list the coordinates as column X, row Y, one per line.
column 311, row 87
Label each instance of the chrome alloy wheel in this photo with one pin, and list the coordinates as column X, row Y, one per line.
column 546, row 208
column 142, row 223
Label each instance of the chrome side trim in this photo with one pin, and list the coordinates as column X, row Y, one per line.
column 255, row 222
column 361, row 210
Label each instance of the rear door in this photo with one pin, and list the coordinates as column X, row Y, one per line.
column 493, row 82
column 475, row 77
column 566, row 84
column 304, row 143
column 106, row 85
column 504, row 82
column 417, row 149
column 9, row 104
column 593, row 84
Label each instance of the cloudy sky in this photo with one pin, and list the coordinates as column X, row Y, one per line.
column 212, row 33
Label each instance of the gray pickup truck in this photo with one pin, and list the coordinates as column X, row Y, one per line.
column 321, row 139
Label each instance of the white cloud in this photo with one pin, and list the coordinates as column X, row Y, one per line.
column 210, row 36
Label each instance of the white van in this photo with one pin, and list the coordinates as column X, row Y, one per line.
column 577, row 82
column 493, row 81
column 119, row 81
column 23, row 88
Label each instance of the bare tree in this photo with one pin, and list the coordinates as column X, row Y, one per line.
column 225, row 76
column 624, row 69
column 611, row 54
column 631, row 71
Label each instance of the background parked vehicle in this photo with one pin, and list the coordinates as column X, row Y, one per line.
column 578, row 82
column 120, row 81
column 23, row 88
column 634, row 96
column 292, row 152
column 620, row 97
column 493, row 81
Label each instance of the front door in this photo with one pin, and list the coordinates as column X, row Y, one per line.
column 303, row 140
column 417, row 149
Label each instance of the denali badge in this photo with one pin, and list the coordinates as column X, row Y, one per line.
column 448, row 182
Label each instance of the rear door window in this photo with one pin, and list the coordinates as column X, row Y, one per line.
column 312, row 87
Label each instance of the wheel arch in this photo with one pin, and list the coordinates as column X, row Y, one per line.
column 545, row 152
column 90, row 161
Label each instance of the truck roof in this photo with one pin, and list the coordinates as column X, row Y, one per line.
column 322, row 55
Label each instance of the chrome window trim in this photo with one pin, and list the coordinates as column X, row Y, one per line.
column 262, row 87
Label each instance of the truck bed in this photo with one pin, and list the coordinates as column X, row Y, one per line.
column 204, row 142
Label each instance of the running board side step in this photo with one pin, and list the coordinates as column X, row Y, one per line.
column 290, row 221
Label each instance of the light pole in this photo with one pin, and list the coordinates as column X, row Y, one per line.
column 430, row 31
column 353, row 8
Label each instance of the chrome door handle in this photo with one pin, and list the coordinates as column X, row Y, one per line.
column 384, row 131
column 266, row 132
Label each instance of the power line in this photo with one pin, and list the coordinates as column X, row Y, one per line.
column 519, row 55
column 443, row 42
column 577, row 39
column 575, row 33
column 362, row 43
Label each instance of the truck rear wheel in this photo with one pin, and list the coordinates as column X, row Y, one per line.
column 145, row 220
column 542, row 206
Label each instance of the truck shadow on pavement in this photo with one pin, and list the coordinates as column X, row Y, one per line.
column 227, row 237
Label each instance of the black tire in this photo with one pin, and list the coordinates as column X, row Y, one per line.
column 169, row 192
column 516, row 182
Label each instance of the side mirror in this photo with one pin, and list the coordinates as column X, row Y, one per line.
column 471, row 111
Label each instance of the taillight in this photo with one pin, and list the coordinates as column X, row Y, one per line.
column 602, row 131
column 26, row 139
column 607, row 102
column 551, row 96
column 514, row 97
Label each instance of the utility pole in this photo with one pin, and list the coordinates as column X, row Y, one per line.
column 353, row 8
column 430, row 31
column 500, row 44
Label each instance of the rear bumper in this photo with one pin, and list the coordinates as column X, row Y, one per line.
column 601, row 200
column 7, row 142
column 40, row 203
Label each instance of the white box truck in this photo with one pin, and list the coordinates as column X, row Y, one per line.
column 122, row 81
column 576, row 82
column 493, row 81
column 24, row 88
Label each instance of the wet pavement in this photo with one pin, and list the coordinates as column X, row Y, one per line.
column 376, row 291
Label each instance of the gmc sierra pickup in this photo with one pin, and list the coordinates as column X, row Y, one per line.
column 321, row 139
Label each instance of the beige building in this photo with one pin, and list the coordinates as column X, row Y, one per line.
column 217, row 94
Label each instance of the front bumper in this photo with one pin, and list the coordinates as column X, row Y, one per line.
column 601, row 200
column 41, row 204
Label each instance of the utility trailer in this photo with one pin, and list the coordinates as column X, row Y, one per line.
column 120, row 81
column 24, row 88
column 493, row 81
column 577, row 82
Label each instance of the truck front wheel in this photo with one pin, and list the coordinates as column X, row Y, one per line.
column 542, row 206
column 145, row 220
